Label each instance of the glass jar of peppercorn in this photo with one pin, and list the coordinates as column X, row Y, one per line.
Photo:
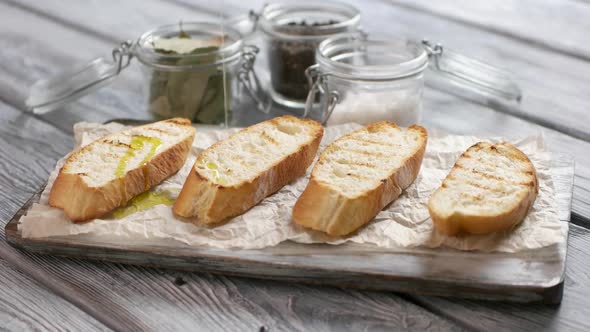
column 292, row 33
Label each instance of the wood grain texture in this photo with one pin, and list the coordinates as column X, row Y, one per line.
column 44, row 57
column 552, row 24
column 571, row 315
column 136, row 298
column 100, row 20
column 26, row 305
column 553, row 84
column 29, row 148
column 29, row 56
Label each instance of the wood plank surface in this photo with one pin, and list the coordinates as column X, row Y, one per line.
column 558, row 25
column 25, row 305
column 29, row 149
column 137, row 298
column 29, row 55
column 554, row 85
column 114, row 21
column 571, row 315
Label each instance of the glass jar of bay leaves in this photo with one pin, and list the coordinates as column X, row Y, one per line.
column 197, row 71
column 202, row 71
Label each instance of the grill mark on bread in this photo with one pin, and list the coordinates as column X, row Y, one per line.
column 179, row 121
column 158, row 130
column 268, row 138
column 356, row 176
column 341, row 161
column 289, row 146
column 489, row 175
column 488, row 162
column 507, row 187
column 86, row 188
column 473, row 184
column 354, row 138
column 474, row 197
column 483, row 174
column 368, row 153
column 507, row 152
column 117, row 143
column 335, row 201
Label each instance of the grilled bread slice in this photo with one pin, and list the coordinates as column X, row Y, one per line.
column 237, row 173
column 108, row 172
column 358, row 175
column 490, row 188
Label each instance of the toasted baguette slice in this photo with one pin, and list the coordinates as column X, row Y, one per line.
column 358, row 175
column 490, row 188
column 237, row 173
column 108, row 172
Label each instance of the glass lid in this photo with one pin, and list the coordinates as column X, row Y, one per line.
column 307, row 20
column 356, row 57
column 196, row 44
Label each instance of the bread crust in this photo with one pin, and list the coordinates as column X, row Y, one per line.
column 325, row 208
column 82, row 202
column 211, row 203
column 458, row 223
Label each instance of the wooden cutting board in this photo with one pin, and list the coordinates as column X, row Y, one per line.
column 530, row 276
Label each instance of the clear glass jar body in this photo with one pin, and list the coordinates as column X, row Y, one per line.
column 363, row 102
column 205, row 95
column 364, row 81
column 291, row 34
column 201, row 84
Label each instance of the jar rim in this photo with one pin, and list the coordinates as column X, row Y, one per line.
column 229, row 50
column 332, row 51
column 271, row 15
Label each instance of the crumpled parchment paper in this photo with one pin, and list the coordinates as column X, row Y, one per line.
column 403, row 224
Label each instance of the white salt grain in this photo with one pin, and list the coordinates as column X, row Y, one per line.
column 401, row 107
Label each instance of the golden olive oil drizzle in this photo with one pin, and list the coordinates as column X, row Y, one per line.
column 218, row 177
column 137, row 143
column 142, row 202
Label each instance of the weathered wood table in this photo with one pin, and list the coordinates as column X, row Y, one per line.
column 544, row 43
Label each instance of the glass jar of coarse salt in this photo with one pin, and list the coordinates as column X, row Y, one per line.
column 363, row 80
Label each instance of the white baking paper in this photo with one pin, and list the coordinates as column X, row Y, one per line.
column 403, row 224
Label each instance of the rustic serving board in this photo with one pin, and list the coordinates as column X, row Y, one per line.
column 531, row 276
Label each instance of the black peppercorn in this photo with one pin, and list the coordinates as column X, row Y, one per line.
column 290, row 58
